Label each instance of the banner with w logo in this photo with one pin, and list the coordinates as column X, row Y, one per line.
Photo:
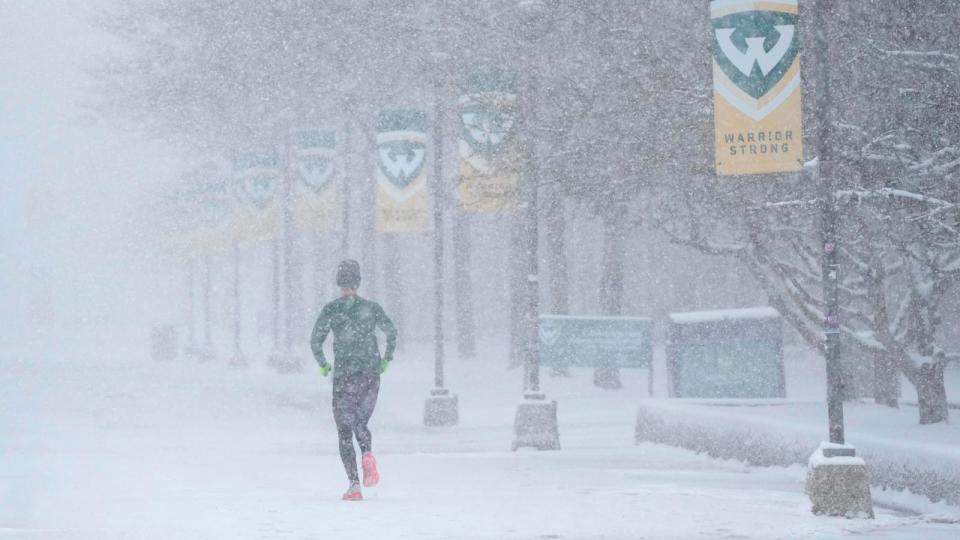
column 211, row 198
column 315, row 192
column 489, row 153
column 257, row 192
column 401, row 171
column 203, row 207
column 756, row 83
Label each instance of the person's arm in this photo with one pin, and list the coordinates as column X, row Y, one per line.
column 320, row 331
column 386, row 326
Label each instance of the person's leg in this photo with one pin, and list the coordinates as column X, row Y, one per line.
column 344, row 413
column 369, row 390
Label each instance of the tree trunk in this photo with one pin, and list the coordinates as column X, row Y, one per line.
column 886, row 386
column 516, row 292
column 368, row 232
column 556, row 225
column 463, row 284
column 858, row 377
column 322, row 280
column 931, row 393
column 556, row 253
column 393, row 279
column 611, row 284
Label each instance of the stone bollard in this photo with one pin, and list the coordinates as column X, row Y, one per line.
column 838, row 483
column 163, row 343
column 199, row 354
column 285, row 362
column 535, row 424
column 441, row 409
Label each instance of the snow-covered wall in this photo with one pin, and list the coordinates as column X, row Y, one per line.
column 930, row 468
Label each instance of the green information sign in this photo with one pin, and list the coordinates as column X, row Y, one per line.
column 726, row 354
column 570, row 341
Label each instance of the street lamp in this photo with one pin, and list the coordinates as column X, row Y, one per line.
column 535, row 423
column 441, row 407
column 238, row 359
column 285, row 258
column 837, row 480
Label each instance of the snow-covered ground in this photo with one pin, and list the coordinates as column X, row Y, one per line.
column 111, row 445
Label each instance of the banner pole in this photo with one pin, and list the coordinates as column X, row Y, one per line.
column 441, row 408
column 207, row 271
column 438, row 204
column 191, row 306
column 238, row 359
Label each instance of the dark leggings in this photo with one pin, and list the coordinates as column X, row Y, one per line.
column 354, row 398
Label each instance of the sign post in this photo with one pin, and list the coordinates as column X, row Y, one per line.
column 837, row 479
column 441, row 408
column 257, row 216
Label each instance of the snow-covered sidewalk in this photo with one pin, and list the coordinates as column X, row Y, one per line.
column 119, row 447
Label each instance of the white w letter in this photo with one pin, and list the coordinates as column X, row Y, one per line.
column 755, row 54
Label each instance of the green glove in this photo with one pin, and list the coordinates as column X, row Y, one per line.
column 325, row 369
column 384, row 364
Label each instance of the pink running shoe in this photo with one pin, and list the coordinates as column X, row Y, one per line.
column 370, row 475
column 353, row 493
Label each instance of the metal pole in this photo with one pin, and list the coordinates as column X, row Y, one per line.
column 438, row 203
column 237, row 349
column 191, row 305
column 533, row 289
column 290, row 257
column 535, row 422
column 319, row 278
column 466, row 336
column 206, row 303
column 368, row 230
column 829, row 225
column 275, row 246
column 531, row 318
column 345, row 203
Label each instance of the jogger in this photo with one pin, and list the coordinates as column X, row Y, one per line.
column 356, row 371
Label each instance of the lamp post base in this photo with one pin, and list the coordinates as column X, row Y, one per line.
column 163, row 343
column 285, row 362
column 441, row 409
column 200, row 354
column 238, row 361
column 535, row 424
column 838, row 483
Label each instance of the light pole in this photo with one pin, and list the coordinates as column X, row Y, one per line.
column 190, row 349
column 441, row 408
column 830, row 268
column 208, row 352
column 535, row 423
column 286, row 267
column 291, row 257
column 837, row 480
column 237, row 360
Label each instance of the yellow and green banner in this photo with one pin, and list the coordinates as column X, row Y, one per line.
column 756, row 84
column 257, row 191
column 200, row 211
column 213, row 206
column 489, row 151
column 401, row 171
column 315, row 200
